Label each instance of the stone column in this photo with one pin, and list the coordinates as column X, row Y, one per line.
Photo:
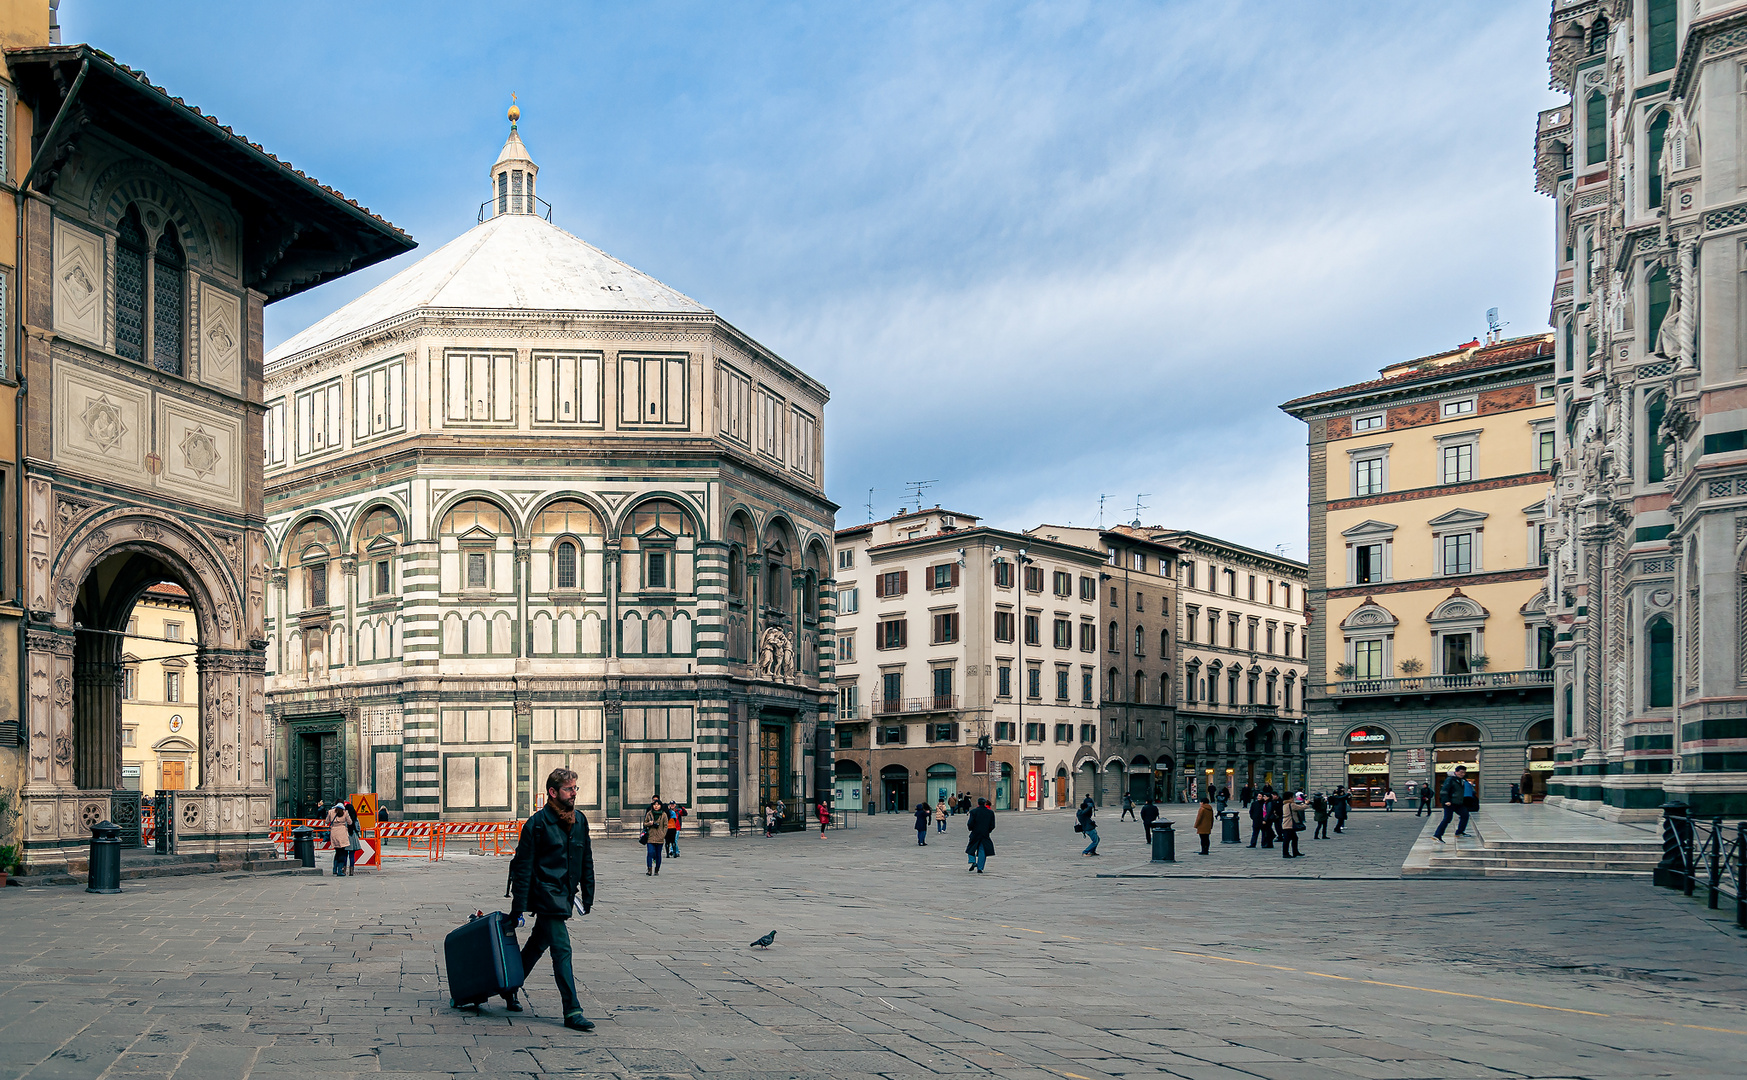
column 49, row 662
column 523, row 550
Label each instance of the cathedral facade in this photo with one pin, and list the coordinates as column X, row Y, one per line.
column 529, row 507
column 1647, row 586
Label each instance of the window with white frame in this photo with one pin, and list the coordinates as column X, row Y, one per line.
column 1458, row 407
column 848, row 601
column 1368, row 658
column 1373, row 422
column 1370, row 470
column 846, row 559
column 1457, row 456
column 1369, row 548
column 1456, row 542
column 1456, row 551
column 1544, row 444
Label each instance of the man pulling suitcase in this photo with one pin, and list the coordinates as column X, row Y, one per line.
column 553, row 863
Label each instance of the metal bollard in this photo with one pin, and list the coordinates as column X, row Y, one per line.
column 1164, row 842
column 105, row 872
column 1672, row 871
column 303, row 845
column 1228, row 828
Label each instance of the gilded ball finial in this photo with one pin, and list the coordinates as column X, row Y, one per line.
column 515, row 110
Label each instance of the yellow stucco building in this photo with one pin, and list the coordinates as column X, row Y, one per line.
column 1429, row 642
column 160, row 711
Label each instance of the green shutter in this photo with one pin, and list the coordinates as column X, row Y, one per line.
column 1658, row 290
column 1595, row 129
column 1658, row 134
column 1662, row 24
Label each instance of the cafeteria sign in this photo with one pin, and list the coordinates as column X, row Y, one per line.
column 1362, row 737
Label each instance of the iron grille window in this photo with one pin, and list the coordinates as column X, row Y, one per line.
column 130, row 288
column 167, row 303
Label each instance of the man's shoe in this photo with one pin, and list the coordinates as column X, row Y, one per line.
column 979, row 869
column 1439, row 839
column 649, row 871
column 578, row 1022
column 512, row 1004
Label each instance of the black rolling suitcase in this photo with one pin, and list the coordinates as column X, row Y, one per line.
column 482, row 959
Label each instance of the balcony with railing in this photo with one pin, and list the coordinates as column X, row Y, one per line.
column 884, row 706
column 849, row 713
column 1486, row 681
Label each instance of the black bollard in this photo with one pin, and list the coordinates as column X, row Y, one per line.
column 105, row 872
column 1164, row 842
column 1671, row 872
column 303, row 845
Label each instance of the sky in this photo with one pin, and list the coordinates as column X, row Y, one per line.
column 1038, row 253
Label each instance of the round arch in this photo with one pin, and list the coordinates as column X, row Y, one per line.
column 517, row 525
column 355, row 538
column 138, row 182
column 585, row 498
column 282, row 553
column 1458, row 731
column 616, row 527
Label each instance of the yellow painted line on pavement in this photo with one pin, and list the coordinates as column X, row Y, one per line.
column 1028, row 930
column 1077, row 1076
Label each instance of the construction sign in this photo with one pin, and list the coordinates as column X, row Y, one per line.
column 365, row 804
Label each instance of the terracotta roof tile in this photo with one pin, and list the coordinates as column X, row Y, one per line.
column 1514, row 351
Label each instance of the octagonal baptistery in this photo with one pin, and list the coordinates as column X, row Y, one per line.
column 529, row 508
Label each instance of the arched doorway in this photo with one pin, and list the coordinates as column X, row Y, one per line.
column 1114, row 782
column 942, row 782
column 1456, row 743
column 1140, row 779
column 1539, row 765
column 1087, row 780
column 76, row 677
column 895, row 789
column 848, row 785
column 1061, row 785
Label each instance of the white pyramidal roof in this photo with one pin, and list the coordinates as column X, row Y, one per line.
column 513, row 261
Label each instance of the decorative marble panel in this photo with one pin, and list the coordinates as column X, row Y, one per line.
column 201, row 452
column 78, row 275
column 101, row 424
column 220, row 339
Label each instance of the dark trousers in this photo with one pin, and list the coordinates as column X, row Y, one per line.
column 1289, row 843
column 1340, row 823
column 1206, row 838
column 1267, row 836
column 651, row 861
column 1127, row 812
column 342, row 861
column 1321, row 832
column 551, row 932
column 1425, row 807
column 1255, row 832
column 673, row 842
column 922, row 836
column 1461, row 814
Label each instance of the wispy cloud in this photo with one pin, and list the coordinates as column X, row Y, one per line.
column 1041, row 252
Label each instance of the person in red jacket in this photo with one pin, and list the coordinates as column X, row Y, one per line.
column 824, row 817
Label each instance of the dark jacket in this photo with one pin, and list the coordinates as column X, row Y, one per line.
column 922, row 816
column 1259, row 811
column 1341, row 804
column 550, row 866
column 1084, row 816
column 1454, row 792
column 981, row 823
column 1149, row 813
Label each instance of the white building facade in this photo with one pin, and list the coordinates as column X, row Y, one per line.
column 529, row 507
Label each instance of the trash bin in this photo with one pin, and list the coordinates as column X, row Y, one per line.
column 303, row 845
column 1228, row 828
column 105, row 873
column 1164, row 842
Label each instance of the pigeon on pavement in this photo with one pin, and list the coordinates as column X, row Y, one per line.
column 763, row 942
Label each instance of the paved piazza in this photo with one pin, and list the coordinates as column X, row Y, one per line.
column 892, row 961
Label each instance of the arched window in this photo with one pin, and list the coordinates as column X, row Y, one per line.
column 1140, row 641
column 560, row 527
column 130, row 287
column 1189, row 739
column 1164, row 689
column 472, row 530
column 1661, row 663
column 1569, row 701
column 1653, row 167
column 378, row 540
column 658, row 525
column 503, row 192
column 564, row 574
column 1231, row 740
column 1656, row 289
column 312, row 551
column 169, row 310
column 738, row 543
column 1114, row 637
column 1164, row 643
column 1595, row 129
column 1655, row 466
column 1456, row 732
column 1140, row 688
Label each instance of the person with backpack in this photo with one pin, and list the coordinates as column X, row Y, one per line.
column 1291, row 824
column 654, row 837
column 1127, row 807
column 1084, row 823
column 675, row 816
column 339, row 837
column 1454, row 798
column 552, row 874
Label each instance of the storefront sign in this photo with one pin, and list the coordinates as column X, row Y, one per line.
column 1031, row 785
column 1452, row 766
column 1359, row 768
column 1367, row 737
column 1415, row 760
column 1542, row 766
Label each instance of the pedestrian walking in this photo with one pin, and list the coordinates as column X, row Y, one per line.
column 940, row 816
column 979, row 824
column 1223, row 798
column 1271, row 826
column 1258, row 818
column 1425, row 800
column 1389, row 799
column 772, row 815
column 1204, row 823
column 356, row 830
column 824, row 817
column 1085, row 823
column 1127, row 808
column 1148, row 814
column 1454, row 798
column 675, row 817
column 339, row 838
column 1291, row 824
column 1319, row 811
column 1342, row 805
column 922, row 824
column 654, row 837
column 551, row 874
column 1246, row 795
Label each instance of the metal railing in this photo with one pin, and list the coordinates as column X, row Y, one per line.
column 1258, row 710
column 1418, row 684
column 1704, row 854
column 932, row 703
column 847, row 713
column 515, row 201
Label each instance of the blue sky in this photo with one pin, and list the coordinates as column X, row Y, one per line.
column 1037, row 252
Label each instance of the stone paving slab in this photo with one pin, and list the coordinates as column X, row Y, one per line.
column 891, row 961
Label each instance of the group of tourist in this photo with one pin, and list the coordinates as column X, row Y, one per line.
column 660, row 835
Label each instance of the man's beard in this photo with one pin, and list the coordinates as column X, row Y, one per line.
column 564, row 808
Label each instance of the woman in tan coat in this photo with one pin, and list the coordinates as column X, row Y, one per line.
column 1204, row 823
column 654, row 836
column 339, row 825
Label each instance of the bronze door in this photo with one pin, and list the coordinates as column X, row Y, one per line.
column 770, row 764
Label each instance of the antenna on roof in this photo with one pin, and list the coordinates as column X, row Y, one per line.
column 870, row 492
column 920, row 486
column 1494, row 328
column 1101, row 499
column 1139, row 506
